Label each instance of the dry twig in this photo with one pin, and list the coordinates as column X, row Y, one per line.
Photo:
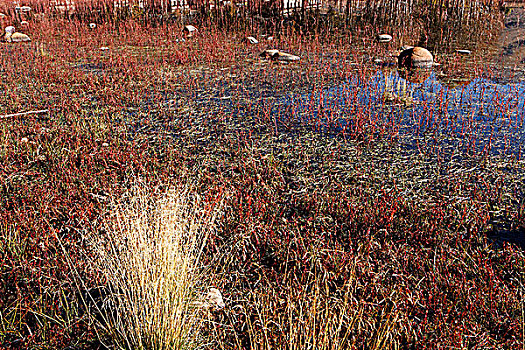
column 41, row 111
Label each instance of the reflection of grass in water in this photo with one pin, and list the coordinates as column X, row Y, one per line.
column 399, row 94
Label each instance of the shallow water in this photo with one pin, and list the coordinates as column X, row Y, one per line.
column 483, row 114
column 431, row 125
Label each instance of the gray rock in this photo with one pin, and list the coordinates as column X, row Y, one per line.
column 269, row 53
column 189, row 30
column 279, row 56
column 283, row 56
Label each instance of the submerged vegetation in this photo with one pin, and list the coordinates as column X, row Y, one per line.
column 336, row 201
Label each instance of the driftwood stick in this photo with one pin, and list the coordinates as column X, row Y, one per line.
column 41, row 111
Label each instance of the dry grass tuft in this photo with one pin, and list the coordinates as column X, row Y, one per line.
column 150, row 259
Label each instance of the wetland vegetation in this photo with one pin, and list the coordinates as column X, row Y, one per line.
column 179, row 191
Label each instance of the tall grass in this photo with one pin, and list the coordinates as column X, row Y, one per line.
column 150, row 260
column 305, row 307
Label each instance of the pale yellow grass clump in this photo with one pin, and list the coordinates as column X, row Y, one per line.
column 150, row 259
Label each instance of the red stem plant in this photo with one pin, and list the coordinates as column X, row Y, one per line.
column 333, row 234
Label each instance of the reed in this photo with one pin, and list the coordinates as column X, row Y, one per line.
column 307, row 311
column 360, row 201
column 246, row 14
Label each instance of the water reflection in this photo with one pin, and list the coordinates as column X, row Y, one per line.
column 511, row 41
column 415, row 76
column 474, row 113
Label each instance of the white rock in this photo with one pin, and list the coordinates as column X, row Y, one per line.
column 287, row 57
column 212, row 301
column 13, row 37
column 252, row 40
column 384, row 38
column 279, row 55
column 269, row 53
column 190, row 30
column 92, row 25
column 19, row 38
column 214, row 298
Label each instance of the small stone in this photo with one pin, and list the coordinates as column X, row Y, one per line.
column 268, row 53
column 104, row 48
column 214, row 299
column 378, row 60
column 16, row 37
column 464, row 52
column 92, row 25
column 279, row 56
column 287, row 57
column 270, row 38
column 384, row 38
column 105, row 144
column 251, row 40
column 189, row 30
column 25, row 9
column 24, row 140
